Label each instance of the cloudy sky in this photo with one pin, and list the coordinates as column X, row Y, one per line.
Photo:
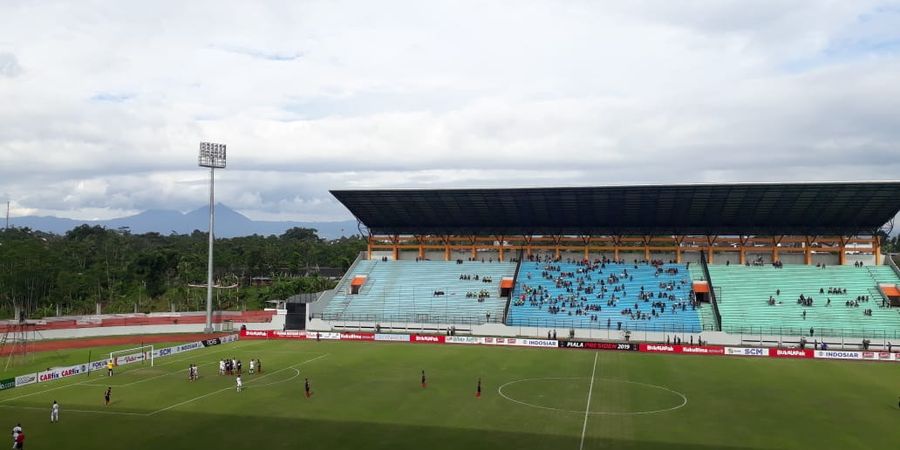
column 103, row 103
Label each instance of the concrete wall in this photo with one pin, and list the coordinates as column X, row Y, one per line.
column 460, row 254
column 868, row 260
column 726, row 257
column 277, row 323
column 752, row 256
column 663, row 256
column 690, row 257
column 791, row 258
column 382, row 254
column 825, row 258
column 629, row 257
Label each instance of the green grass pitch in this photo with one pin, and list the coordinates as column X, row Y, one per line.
column 367, row 395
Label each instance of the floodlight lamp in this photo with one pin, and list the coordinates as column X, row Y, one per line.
column 212, row 155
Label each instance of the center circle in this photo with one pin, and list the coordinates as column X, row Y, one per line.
column 609, row 396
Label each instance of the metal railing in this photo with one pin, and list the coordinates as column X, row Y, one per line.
column 409, row 318
column 518, row 323
column 515, row 281
column 712, row 291
column 893, row 264
column 854, row 333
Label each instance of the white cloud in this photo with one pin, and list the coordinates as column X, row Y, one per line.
column 107, row 102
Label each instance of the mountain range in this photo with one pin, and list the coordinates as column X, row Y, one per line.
column 229, row 223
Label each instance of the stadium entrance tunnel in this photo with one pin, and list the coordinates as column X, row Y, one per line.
column 611, row 397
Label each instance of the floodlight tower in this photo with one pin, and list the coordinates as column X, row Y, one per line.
column 212, row 156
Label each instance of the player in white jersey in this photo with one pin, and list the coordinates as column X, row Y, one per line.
column 240, row 384
column 15, row 433
column 222, row 367
column 54, row 412
column 252, row 366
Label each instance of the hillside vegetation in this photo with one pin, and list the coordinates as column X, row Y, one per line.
column 42, row 272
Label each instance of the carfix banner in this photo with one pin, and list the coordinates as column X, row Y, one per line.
column 7, row 383
column 61, row 372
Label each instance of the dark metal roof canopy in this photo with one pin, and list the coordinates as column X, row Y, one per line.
column 703, row 209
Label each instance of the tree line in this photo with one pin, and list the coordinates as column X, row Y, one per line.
column 44, row 273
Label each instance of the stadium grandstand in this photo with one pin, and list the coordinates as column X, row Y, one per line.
column 751, row 258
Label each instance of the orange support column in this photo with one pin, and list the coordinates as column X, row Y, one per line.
column 710, row 240
column 678, row 255
column 776, row 241
column 842, row 256
column 876, row 249
column 369, row 247
column 807, row 252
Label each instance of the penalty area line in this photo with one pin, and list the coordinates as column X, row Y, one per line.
column 67, row 410
column 231, row 387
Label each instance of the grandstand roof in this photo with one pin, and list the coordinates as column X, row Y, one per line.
column 697, row 209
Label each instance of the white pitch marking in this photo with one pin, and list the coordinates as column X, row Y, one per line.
column 67, row 410
column 587, row 408
column 230, row 387
column 596, row 413
column 87, row 382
